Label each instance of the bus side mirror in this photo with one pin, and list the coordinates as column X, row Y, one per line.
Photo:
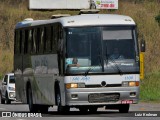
column 4, row 83
column 142, row 45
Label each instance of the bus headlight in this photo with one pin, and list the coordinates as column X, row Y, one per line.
column 75, row 85
column 130, row 83
column 11, row 88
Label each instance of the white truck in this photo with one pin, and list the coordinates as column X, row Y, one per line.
column 8, row 89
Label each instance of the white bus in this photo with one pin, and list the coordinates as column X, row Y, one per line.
column 83, row 61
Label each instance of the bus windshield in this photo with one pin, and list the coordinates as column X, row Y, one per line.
column 101, row 50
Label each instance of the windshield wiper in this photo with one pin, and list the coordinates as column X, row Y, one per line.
column 86, row 73
column 91, row 68
column 115, row 64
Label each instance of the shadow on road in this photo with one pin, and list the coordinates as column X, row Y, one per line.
column 88, row 114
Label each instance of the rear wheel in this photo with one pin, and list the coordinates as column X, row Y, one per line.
column 32, row 107
column 124, row 108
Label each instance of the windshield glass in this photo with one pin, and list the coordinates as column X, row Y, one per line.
column 101, row 50
column 83, row 49
column 120, row 49
column 11, row 79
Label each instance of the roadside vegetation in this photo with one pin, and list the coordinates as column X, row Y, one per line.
column 146, row 14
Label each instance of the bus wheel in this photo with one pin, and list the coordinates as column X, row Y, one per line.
column 43, row 108
column 124, row 108
column 60, row 108
column 32, row 107
column 83, row 109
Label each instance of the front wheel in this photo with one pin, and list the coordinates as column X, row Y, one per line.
column 93, row 109
column 8, row 101
column 124, row 108
column 60, row 108
column 83, row 110
column 2, row 100
column 42, row 108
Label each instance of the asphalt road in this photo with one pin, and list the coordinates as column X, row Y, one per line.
column 149, row 110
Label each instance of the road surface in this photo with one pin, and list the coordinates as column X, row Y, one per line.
column 151, row 110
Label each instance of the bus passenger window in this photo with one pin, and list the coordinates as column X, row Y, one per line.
column 29, row 40
column 34, row 40
column 26, row 42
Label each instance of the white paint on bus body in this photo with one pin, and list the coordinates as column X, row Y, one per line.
column 94, row 79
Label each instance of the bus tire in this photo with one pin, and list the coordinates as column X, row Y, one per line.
column 93, row 109
column 32, row 107
column 124, row 108
column 43, row 108
column 83, row 109
column 60, row 108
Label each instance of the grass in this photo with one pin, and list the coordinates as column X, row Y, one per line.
column 150, row 87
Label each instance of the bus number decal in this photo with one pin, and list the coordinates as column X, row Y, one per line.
column 81, row 79
column 128, row 77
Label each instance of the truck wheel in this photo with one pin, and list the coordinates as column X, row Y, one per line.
column 124, row 108
column 2, row 100
column 8, row 101
column 32, row 107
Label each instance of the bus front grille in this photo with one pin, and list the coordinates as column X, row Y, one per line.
column 99, row 86
column 103, row 97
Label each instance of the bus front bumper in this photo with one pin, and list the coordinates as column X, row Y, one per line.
column 102, row 96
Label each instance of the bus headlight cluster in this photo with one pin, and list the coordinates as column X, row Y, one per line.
column 75, row 85
column 11, row 88
column 130, row 83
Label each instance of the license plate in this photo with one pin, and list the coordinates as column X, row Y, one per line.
column 127, row 101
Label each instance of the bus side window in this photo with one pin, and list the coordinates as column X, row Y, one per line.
column 44, row 40
column 47, row 40
column 34, row 41
column 54, row 39
column 60, row 49
column 29, row 41
column 41, row 40
column 26, row 42
column 17, row 41
column 21, row 45
column 38, row 40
